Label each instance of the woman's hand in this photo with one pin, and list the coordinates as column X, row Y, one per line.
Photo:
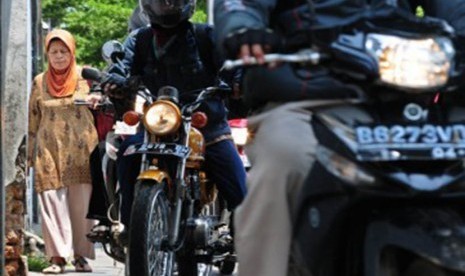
column 93, row 100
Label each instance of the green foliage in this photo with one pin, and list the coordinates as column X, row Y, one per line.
column 200, row 15
column 37, row 263
column 92, row 22
column 420, row 12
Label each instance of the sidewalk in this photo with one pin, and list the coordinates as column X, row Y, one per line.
column 102, row 265
column 105, row 266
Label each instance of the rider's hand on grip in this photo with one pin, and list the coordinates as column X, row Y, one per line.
column 113, row 82
column 252, row 42
column 123, row 97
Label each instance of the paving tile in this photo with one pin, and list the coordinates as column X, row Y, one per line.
column 102, row 265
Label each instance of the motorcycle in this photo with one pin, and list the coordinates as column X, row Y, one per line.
column 178, row 222
column 174, row 216
column 385, row 196
column 109, row 228
column 106, row 232
column 240, row 135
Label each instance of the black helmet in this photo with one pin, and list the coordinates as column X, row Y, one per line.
column 137, row 20
column 167, row 13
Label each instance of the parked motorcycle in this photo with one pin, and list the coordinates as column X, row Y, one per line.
column 386, row 193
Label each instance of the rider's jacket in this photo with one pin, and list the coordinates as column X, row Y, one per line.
column 175, row 59
column 291, row 17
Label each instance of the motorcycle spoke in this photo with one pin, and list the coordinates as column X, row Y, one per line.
column 158, row 259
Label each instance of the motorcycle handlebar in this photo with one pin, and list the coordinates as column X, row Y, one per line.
column 105, row 102
column 93, row 74
column 203, row 95
column 303, row 56
column 98, row 76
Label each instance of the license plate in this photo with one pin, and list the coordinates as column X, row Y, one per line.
column 121, row 128
column 410, row 142
column 159, row 149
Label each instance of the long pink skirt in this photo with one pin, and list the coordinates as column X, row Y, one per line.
column 64, row 223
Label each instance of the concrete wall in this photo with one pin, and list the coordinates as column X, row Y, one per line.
column 16, row 89
column 16, row 86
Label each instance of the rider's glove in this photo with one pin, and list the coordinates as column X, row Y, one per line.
column 114, row 79
column 114, row 85
column 125, row 89
column 265, row 37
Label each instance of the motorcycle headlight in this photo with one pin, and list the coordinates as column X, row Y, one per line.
column 416, row 64
column 239, row 135
column 162, row 118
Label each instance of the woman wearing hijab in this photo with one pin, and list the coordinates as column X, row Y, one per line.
column 61, row 137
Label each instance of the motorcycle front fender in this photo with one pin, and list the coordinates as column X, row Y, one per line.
column 156, row 175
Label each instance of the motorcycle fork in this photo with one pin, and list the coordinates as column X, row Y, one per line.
column 180, row 193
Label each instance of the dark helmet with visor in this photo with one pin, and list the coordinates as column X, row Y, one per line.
column 167, row 13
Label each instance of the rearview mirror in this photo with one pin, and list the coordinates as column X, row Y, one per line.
column 112, row 51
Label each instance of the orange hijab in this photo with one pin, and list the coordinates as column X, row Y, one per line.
column 62, row 84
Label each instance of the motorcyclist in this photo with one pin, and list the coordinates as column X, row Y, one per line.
column 99, row 202
column 283, row 149
column 173, row 51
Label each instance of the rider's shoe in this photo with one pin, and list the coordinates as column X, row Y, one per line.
column 225, row 243
column 99, row 233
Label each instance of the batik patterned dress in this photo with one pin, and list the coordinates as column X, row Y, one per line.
column 61, row 137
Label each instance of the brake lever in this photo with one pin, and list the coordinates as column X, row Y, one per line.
column 80, row 102
column 83, row 102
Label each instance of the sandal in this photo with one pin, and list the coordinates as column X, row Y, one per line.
column 81, row 265
column 54, row 269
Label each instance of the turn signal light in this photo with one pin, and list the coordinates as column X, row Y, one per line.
column 199, row 119
column 131, row 118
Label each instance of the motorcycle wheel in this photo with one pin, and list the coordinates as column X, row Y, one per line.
column 149, row 229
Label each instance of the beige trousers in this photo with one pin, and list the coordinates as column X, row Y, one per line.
column 281, row 153
column 64, row 223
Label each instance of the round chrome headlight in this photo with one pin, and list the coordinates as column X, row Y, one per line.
column 162, row 118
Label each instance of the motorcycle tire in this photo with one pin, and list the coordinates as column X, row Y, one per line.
column 149, row 229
